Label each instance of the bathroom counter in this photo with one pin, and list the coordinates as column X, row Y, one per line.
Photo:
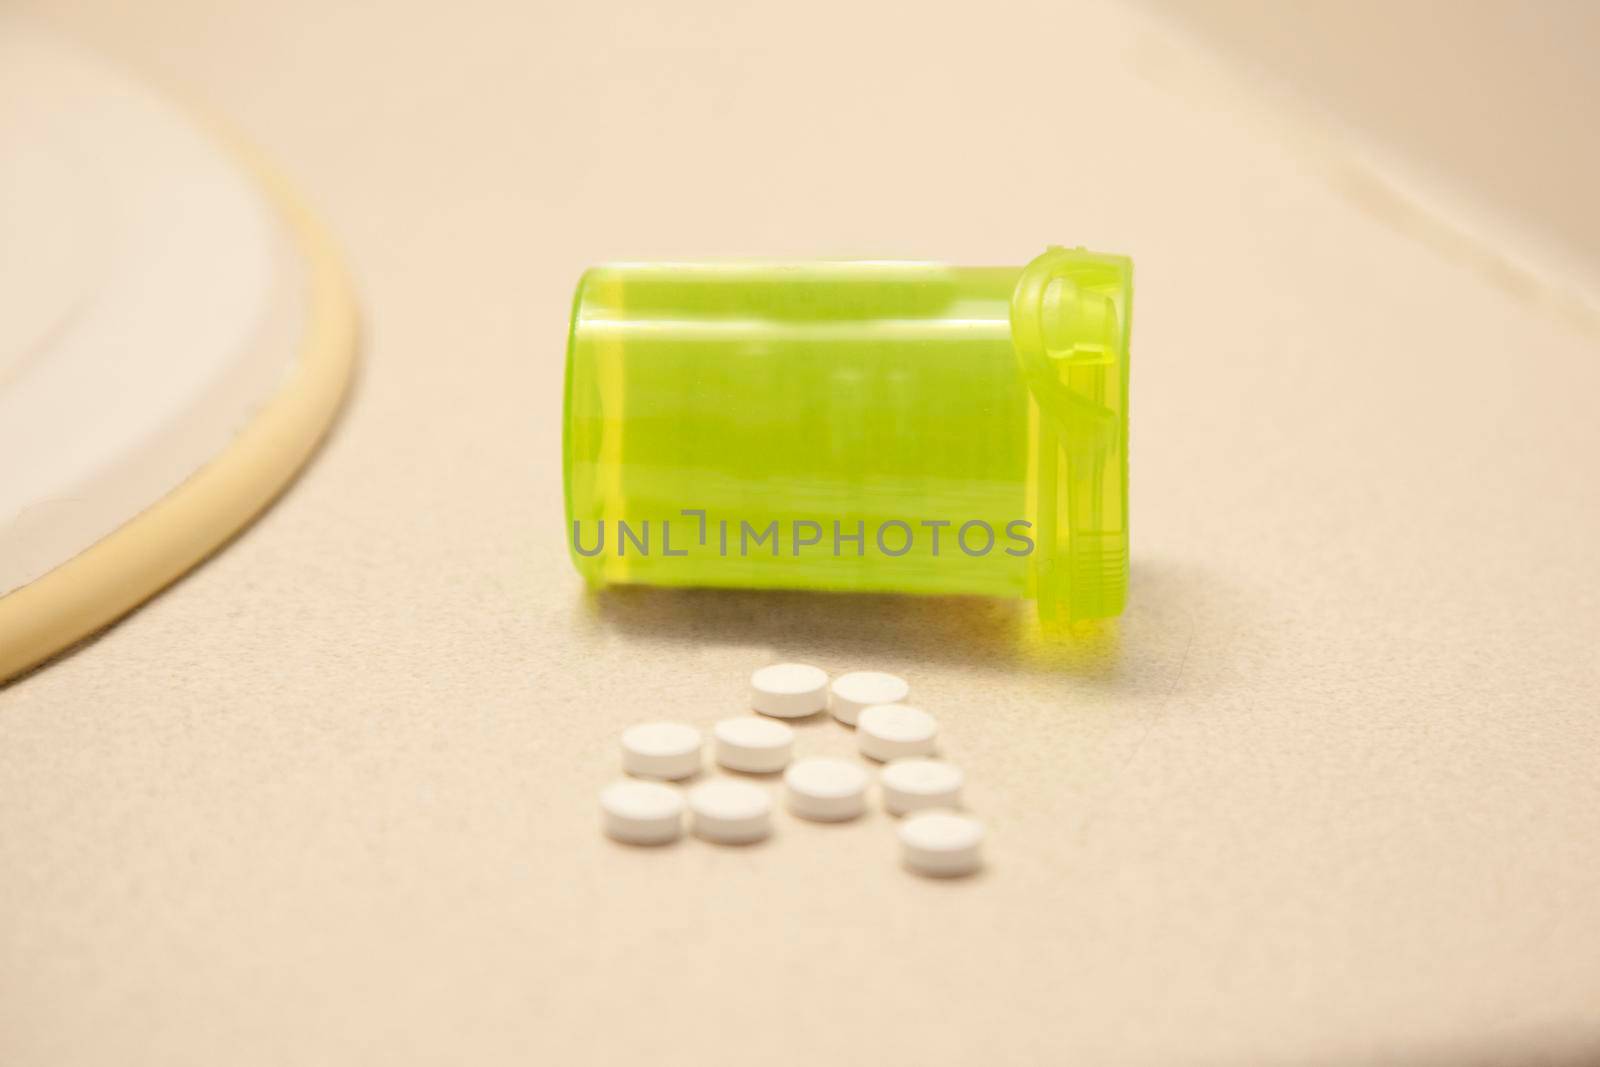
column 1326, row 793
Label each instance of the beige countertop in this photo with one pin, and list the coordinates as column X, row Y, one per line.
column 1327, row 793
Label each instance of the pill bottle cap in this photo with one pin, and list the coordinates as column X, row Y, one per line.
column 1069, row 328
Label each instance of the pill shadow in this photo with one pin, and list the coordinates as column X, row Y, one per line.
column 950, row 630
column 761, row 845
column 756, row 777
column 936, row 882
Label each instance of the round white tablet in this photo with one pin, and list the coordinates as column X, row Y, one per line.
column 913, row 784
column 861, row 689
column 941, row 843
column 642, row 813
column 789, row 690
column 750, row 743
column 827, row 790
column 889, row 731
column 661, row 750
column 730, row 813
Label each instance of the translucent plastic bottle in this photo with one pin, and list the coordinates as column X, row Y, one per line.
column 856, row 425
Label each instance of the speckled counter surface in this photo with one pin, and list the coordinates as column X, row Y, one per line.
column 1327, row 794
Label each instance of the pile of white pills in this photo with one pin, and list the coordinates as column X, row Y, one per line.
column 936, row 838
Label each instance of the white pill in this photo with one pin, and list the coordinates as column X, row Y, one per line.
column 661, row 750
column 753, row 744
column 642, row 813
column 789, row 690
column 941, row 843
column 861, row 689
column 827, row 790
column 914, row 784
column 890, row 731
column 730, row 813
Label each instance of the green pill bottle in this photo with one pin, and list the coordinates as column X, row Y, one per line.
column 885, row 426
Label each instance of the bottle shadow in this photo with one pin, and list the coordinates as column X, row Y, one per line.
column 1163, row 611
